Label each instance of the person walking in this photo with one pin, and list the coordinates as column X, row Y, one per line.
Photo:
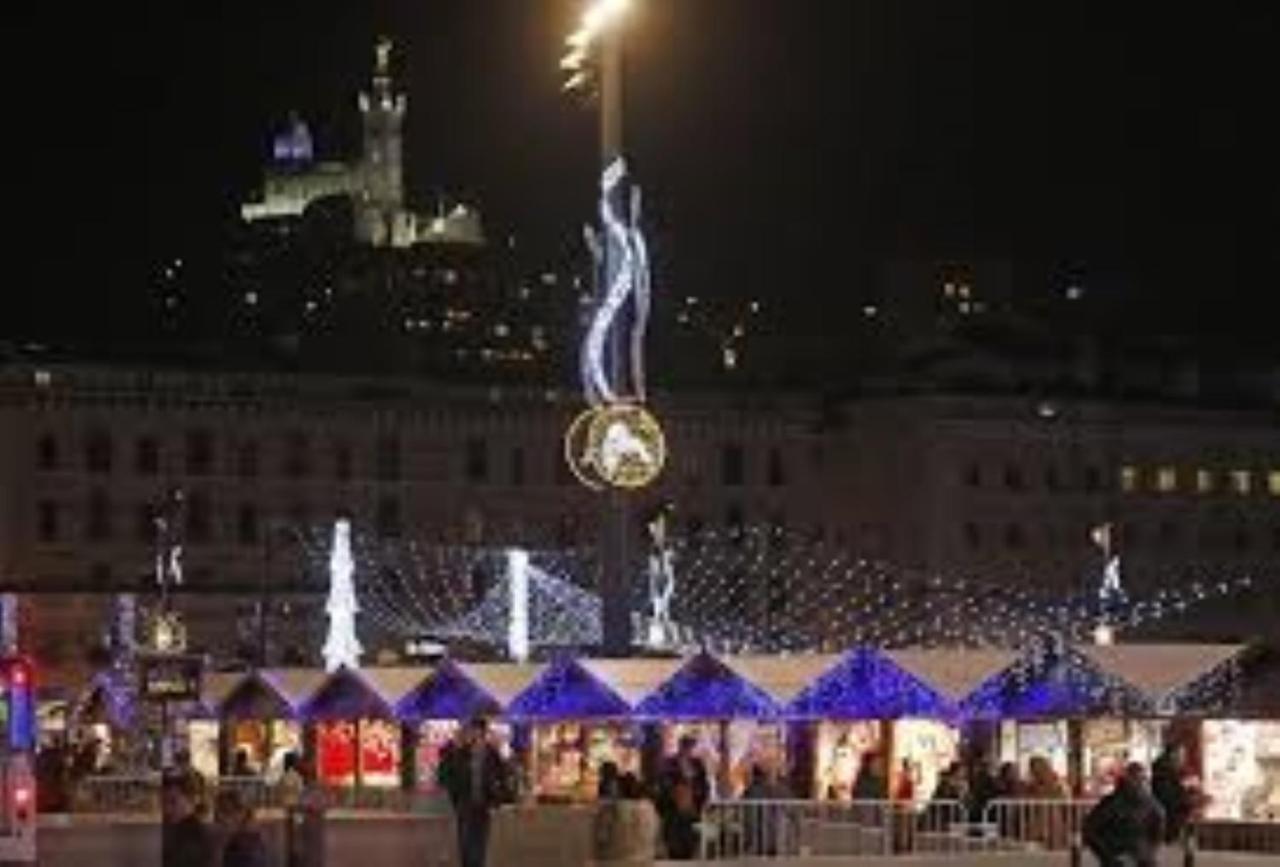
column 1126, row 827
column 472, row 773
column 683, row 791
column 242, row 841
column 185, row 840
column 1171, row 792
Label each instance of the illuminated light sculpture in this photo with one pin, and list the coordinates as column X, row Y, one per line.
column 616, row 442
column 518, row 587
column 341, row 647
column 1111, row 596
column 662, row 585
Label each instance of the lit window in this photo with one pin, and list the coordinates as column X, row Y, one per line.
column 1241, row 482
column 1204, row 481
column 1167, row 480
column 965, row 291
column 949, row 289
column 1273, row 483
column 1128, row 479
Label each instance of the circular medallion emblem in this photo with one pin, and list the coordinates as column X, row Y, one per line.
column 619, row 445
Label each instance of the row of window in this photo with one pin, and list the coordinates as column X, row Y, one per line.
column 1133, row 479
column 1172, row 480
column 102, row 521
column 1133, row 536
column 299, row 456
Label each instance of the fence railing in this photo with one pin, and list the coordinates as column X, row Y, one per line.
column 141, row 794
column 779, row 829
column 1050, row 825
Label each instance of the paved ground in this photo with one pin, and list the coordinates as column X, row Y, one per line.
column 556, row 837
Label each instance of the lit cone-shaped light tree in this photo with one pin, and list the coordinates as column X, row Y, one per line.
column 341, row 646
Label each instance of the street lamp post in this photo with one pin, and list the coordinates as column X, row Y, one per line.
column 612, row 365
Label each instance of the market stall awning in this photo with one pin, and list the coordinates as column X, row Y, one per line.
column 394, row 683
column 868, row 685
column 707, row 688
column 294, row 685
column 347, row 695
column 633, row 679
column 216, row 686
column 1166, row 673
column 567, row 691
column 254, row 697
column 502, row 680
column 953, row 671
column 448, row 694
column 1055, row 685
column 782, row 677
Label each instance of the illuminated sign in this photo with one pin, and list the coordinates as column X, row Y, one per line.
column 171, row 678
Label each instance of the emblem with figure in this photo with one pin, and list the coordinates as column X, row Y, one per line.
column 618, row 445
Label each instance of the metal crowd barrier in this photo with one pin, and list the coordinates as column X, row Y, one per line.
column 1046, row 825
column 141, row 794
column 781, row 829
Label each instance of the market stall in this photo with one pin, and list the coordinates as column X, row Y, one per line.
column 736, row 723
column 358, row 739
column 576, row 724
column 436, row 709
column 857, row 705
column 1041, row 702
column 259, row 723
column 924, row 748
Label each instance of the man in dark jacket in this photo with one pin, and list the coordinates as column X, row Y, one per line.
column 472, row 772
column 187, row 842
column 683, row 791
column 1126, row 827
column 1169, row 789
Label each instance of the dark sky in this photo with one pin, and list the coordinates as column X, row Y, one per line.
column 786, row 146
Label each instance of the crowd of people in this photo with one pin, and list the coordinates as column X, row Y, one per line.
column 230, row 837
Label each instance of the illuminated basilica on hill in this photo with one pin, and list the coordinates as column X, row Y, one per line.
column 374, row 184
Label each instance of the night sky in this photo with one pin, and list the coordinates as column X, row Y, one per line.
column 786, row 146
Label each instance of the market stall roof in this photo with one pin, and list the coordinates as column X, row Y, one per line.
column 782, row 677
column 394, row 683
column 449, row 693
column 567, row 690
column 502, row 680
column 633, row 679
column 294, row 685
column 1055, row 685
column 953, row 671
column 1161, row 671
column 705, row 687
column 347, row 694
column 867, row 684
column 217, row 686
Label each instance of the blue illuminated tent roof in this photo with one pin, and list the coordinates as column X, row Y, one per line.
column 706, row 688
column 345, row 695
column 1055, row 684
column 448, row 694
column 868, row 685
column 567, row 691
column 255, row 698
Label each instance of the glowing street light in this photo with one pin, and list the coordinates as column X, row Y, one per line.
column 596, row 20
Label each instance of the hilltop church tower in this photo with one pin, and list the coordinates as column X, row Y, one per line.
column 382, row 218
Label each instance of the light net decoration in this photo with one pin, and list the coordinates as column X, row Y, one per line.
column 753, row 589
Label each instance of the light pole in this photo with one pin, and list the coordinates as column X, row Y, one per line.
column 621, row 446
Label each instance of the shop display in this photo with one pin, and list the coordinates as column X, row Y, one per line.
column 567, row 756
column 1022, row 741
column 434, row 735
column 336, row 753
column 838, row 754
column 923, row 749
column 1110, row 744
column 202, row 744
column 1242, row 769
column 286, row 737
column 379, row 753
column 754, row 743
column 251, row 739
